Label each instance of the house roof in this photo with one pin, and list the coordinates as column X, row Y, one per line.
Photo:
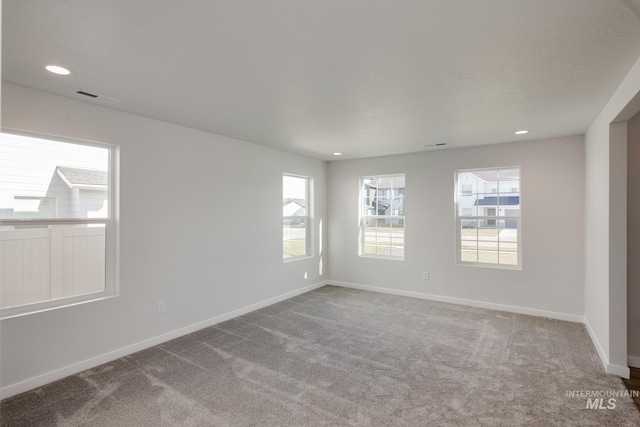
column 493, row 201
column 77, row 176
column 300, row 202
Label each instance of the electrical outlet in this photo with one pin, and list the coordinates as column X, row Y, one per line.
column 161, row 307
column 425, row 275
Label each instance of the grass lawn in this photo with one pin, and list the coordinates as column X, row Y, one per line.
column 505, row 257
column 487, row 252
column 391, row 229
column 294, row 247
column 485, row 232
column 384, row 250
column 372, row 249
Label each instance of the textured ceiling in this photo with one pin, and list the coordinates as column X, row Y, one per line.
column 364, row 77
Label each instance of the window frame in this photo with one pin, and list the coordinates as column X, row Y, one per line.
column 308, row 219
column 111, row 224
column 361, row 219
column 458, row 221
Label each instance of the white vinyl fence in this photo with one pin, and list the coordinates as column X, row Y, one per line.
column 40, row 264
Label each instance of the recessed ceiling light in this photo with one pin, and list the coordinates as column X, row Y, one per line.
column 521, row 132
column 337, row 153
column 56, row 69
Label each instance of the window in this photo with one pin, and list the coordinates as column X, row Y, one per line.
column 296, row 219
column 57, row 223
column 382, row 216
column 488, row 217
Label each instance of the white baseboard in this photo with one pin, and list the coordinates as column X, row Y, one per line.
column 621, row 371
column 594, row 339
column 40, row 380
column 609, row 368
column 461, row 301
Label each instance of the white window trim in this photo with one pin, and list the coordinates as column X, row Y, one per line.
column 459, row 219
column 361, row 218
column 308, row 217
column 112, row 235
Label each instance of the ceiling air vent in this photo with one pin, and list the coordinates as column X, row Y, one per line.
column 435, row 146
column 90, row 95
column 97, row 97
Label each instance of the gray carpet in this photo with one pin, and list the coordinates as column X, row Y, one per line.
column 344, row 357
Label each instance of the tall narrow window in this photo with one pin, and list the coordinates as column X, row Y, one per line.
column 296, row 218
column 57, row 228
column 382, row 201
column 488, row 217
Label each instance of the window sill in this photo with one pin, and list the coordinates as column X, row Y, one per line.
column 296, row 258
column 490, row 266
column 390, row 258
column 40, row 307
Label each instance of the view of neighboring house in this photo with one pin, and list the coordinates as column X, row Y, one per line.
column 489, row 194
column 294, row 208
column 84, row 194
column 51, row 181
column 383, row 196
column 72, row 193
column 47, row 181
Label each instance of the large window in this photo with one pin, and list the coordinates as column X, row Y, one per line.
column 488, row 217
column 57, row 223
column 382, row 216
column 296, row 218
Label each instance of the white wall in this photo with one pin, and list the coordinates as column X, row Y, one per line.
column 633, row 240
column 223, row 253
column 606, row 225
column 552, row 279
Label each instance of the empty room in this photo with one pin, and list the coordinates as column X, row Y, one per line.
column 312, row 213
